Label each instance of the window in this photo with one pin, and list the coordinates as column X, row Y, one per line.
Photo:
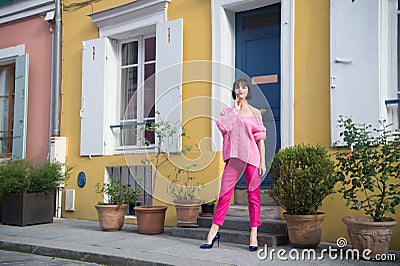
column 115, row 104
column 6, row 109
column 113, row 68
column 137, row 101
column 136, row 176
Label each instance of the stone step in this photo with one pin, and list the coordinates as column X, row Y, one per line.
column 267, row 212
column 243, row 224
column 231, row 236
column 265, row 198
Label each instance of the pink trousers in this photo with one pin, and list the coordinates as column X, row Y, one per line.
column 232, row 172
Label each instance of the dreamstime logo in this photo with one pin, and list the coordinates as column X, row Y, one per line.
column 310, row 254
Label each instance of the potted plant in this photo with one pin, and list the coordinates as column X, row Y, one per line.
column 150, row 219
column 185, row 191
column 207, row 207
column 368, row 170
column 28, row 191
column 302, row 178
column 112, row 210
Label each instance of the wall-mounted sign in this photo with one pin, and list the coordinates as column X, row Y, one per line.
column 264, row 79
column 81, row 179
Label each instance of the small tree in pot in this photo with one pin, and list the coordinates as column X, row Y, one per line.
column 303, row 178
column 369, row 170
column 150, row 219
column 111, row 211
column 185, row 191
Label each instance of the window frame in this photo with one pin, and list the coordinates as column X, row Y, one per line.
column 140, row 38
column 11, row 94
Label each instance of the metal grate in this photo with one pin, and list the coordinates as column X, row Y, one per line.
column 137, row 176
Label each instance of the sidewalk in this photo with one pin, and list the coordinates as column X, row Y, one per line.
column 82, row 240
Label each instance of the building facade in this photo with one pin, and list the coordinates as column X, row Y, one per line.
column 25, row 78
column 128, row 63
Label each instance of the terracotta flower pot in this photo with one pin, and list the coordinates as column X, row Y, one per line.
column 150, row 220
column 111, row 217
column 366, row 234
column 304, row 230
column 187, row 212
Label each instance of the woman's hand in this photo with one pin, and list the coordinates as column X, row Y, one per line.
column 238, row 103
column 262, row 170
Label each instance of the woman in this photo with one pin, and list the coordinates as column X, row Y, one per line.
column 243, row 135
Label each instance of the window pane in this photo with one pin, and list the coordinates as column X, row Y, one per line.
column 149, row 135
column 149, row 90
column 129, row 53
column 4, row 90
column 4, row 82
column 128, row 136
column 261, row 20
column 150, row 49
column 4, row 113
column 129, row 93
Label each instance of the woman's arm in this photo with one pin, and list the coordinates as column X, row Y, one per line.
column 227, row 120
column 261, row 147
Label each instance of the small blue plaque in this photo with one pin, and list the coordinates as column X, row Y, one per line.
column 81, row 179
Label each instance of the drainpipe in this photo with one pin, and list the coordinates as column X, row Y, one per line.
column 56, row 81
column 55, row 111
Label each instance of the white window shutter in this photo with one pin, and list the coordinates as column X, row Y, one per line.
column 111, row 93
column 98, row 97
column 169, row 55
column 20, row 107
column 354, row 61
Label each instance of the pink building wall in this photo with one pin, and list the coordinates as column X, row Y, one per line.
column 35, row 34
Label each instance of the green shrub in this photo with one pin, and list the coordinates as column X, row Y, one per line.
column 303, row 177
column 26, row 176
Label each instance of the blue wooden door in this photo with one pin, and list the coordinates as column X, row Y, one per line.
column 258, row 57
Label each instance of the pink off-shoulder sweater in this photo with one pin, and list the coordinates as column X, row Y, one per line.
column 240, row 136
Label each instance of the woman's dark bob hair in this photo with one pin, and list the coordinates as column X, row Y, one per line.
column 243, row 83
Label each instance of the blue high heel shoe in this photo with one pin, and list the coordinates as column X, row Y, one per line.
column 208, row 246
column 253, row 248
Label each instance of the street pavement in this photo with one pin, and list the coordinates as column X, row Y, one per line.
column 17, row 258
column 83, row 241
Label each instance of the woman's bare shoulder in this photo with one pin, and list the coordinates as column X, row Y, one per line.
column 255, row 111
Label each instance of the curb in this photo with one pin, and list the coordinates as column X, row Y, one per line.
column 75, row 255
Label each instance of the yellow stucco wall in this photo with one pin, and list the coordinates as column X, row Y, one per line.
column 311, row 102
column 197, row 46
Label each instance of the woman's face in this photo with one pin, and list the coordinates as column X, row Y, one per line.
column 241, row 92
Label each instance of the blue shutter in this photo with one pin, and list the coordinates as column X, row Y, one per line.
column 20, row 107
